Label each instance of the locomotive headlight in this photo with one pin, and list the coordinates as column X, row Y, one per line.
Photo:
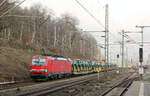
column 45, row 70
column 33, row 70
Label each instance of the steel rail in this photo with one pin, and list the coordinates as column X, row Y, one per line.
column 126, row 82
column 48, row 87
column 61, row 87
column 58, row 86
column 21, row 81
column 127, row 86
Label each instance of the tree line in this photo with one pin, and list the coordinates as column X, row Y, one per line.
column 38, row 28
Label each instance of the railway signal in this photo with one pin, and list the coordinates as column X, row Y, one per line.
column 117, row 55
column 141, row 51
column 140, row 54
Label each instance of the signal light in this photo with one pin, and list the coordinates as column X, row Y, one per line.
column 140, row 54
column 117, row 55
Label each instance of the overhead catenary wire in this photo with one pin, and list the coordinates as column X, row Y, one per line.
column 129, row 38
column 99, row 3
column 86, row 10
column 98, row 21
column 12, row 8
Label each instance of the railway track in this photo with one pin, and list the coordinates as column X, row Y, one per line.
column 120, row 87
column 48, row 87
column 45, row 88
column 15, row 84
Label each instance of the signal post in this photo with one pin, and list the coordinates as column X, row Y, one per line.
column 141, row 70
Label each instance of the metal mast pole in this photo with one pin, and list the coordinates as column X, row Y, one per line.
column 142, row 27
column 141, row 61
column 127, row 57
column 106, row 37
column 122, row 48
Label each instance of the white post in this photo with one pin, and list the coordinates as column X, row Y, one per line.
column 98, row 75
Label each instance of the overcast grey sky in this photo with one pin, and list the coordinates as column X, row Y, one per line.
column 123, row 14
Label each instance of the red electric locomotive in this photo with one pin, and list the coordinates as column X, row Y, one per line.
column 49, row 67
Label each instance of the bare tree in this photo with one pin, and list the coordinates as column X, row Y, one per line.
column 37, row 27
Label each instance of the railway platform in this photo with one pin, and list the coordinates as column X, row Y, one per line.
column 140, row 88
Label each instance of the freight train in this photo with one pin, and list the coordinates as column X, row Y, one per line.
column 49, row 67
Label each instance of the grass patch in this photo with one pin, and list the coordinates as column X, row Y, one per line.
column 148, row 79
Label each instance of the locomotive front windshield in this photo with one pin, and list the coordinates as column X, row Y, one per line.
column 38, row 61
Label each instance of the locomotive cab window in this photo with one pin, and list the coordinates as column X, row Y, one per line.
column 38, row 61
